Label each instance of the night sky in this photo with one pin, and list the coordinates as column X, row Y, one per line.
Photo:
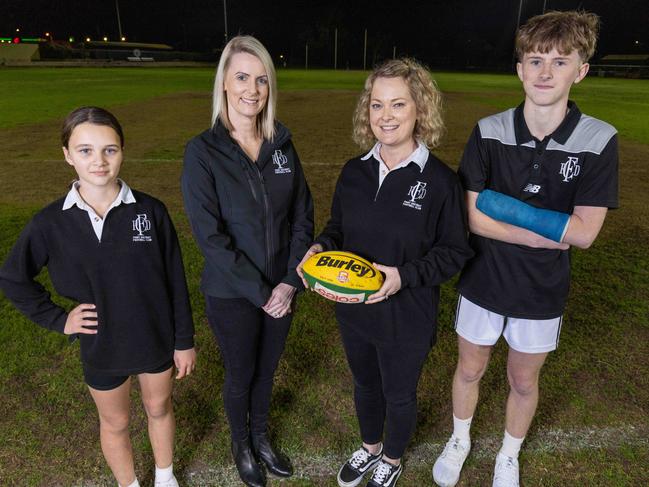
column 440, row 33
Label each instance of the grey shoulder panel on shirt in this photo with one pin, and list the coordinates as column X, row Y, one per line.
column 590, row 135
column 499, row 127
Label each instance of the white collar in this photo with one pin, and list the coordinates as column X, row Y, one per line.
column 73, row 197
column 419, row 156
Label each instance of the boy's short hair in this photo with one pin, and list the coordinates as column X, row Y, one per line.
column 565, row 31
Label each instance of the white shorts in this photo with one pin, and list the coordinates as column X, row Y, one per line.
column 482, row 327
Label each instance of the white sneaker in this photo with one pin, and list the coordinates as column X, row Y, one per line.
column 169, row 483
column 506, row 472
column 447, row 468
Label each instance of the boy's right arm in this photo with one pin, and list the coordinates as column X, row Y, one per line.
column 485, row 226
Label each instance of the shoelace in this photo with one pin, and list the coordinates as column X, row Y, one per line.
column 382, row 472
column 359, row 457
column 507, row 472
column 453, row 451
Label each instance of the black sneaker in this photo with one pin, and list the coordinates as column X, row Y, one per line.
column 385, row 475
column 361, row 462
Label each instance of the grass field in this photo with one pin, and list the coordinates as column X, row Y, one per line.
column 592, row 424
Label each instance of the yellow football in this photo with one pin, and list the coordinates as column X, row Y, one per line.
column 342, row 276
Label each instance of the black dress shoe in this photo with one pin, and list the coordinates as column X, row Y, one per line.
column 249, row 470
column 276, row 462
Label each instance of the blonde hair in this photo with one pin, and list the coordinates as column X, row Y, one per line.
column 565, row 31
column 266, row 118
column 429, row 126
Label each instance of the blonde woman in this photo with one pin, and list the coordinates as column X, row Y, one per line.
column 401, row 208
column 251, row 213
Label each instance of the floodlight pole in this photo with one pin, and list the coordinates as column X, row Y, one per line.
column 545, row 2
column 518, row 23
column 306, row 56
column 365, row 51
column 394, row 52
column 119, row 22
column 336, row 48
column 225, row 19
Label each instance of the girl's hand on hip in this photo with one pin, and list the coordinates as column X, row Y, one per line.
column 82, row 319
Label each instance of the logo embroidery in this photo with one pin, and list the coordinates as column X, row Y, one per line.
column 140, row 225
column 532, row 188
column 570, row 169
column 280, row 160
column 343, row 276
column 416, row 192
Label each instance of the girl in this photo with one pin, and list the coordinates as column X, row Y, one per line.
column 114, row 250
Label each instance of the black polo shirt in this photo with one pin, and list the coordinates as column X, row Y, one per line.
column 577, row 165
column 415, row 221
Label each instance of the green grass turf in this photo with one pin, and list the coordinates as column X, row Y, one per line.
column 32, row 95
column 598, row 379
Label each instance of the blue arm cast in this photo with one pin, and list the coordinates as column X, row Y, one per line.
column 549, row 223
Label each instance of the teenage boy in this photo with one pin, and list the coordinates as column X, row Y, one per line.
column 538, row 179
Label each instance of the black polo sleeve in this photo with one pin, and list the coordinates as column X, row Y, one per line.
column 331, row 237
column 474, row 165
column 176, row 283
column 25, row 261
column 450, row 249
column 598, row 185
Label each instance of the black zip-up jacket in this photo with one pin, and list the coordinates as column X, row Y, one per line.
column 135, row 279
column 416, row 222
column 253, row 221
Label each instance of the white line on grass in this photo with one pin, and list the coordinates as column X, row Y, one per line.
column 423, row 455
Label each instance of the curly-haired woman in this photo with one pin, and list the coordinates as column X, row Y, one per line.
column 402, row 208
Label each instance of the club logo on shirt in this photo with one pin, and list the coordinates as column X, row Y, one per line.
column 140, row 225
column 416, row 192
column 570, row 169
column 280, row 160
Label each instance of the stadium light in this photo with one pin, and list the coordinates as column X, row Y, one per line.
column 119, row 22
column 87, row 39
column 70, row 39
column 105, row 39
column 123, row 39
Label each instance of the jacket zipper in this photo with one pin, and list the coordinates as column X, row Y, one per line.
column 269, row 241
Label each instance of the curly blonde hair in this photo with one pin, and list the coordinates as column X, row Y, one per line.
column 429, row 126
column 565, row 31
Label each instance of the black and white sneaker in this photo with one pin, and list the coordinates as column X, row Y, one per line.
column 385, row 475
column 353, row 470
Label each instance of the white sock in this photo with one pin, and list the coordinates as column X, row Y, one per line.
column 164, row 474
column 511, row 446
column 461, row 428
column 135, row 483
